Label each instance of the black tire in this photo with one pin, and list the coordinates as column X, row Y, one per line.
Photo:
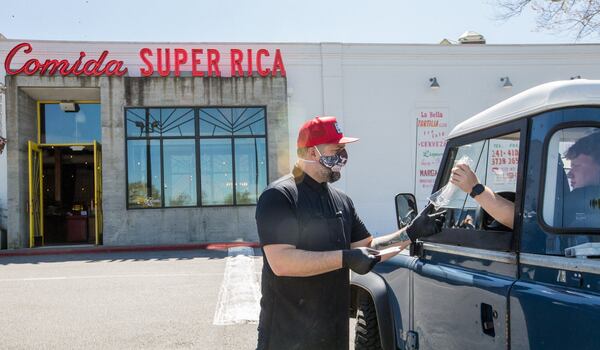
column 367, row 329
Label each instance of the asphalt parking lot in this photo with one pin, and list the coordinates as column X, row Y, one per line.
column 142, row 300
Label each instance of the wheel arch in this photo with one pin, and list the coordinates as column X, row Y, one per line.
column 375, row 287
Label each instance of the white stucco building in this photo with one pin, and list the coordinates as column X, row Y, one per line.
column 377, row 91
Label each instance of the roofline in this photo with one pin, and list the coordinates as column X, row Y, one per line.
column 304, row 43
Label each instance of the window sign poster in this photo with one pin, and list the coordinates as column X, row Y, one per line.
column 503, row 163
column 432, row 130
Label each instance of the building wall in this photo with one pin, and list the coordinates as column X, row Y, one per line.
column 21, row 127
column 385, row 86
column 376, row 90
column 3, row 165
column 149, row 226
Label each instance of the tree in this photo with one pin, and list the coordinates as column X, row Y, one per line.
column 138, row 195
column 580, row 17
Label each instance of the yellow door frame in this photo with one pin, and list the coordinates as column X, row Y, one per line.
column 98, row 217
column 34, row 147
column 98, row 213
column 37, row 147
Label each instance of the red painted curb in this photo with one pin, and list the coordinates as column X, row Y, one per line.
column 120, row 249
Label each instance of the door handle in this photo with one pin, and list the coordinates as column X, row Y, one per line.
column 487, row 319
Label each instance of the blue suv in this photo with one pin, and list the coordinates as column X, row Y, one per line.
column 479, row 284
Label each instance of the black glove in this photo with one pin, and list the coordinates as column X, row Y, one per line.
column 425, row 224
column 360, row 260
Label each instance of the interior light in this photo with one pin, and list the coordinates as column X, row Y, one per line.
column 69, row 107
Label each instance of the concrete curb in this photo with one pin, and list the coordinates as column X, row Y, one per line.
column 120, row 249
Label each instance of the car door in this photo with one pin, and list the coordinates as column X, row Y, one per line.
column 556, row 302
column 462, row 278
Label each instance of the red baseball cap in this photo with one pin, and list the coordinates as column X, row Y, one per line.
column 322, row 130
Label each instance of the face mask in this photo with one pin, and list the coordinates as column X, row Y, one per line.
column 335, row 162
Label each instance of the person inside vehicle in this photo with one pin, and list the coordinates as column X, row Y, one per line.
column 584, row 177
column 467, row 223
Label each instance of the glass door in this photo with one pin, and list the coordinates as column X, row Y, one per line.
column 36, row 205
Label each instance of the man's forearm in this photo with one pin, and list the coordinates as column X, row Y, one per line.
column 303, row 263
column 501, row 209
column 398, row 238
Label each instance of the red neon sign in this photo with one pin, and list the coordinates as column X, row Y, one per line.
column 167, row 61
column 89, row 67
column 164, row 61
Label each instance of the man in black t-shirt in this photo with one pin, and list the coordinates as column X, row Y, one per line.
column 311, row 235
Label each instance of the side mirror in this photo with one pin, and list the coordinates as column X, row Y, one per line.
column 406, row 209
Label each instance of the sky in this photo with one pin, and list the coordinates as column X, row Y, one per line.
column 350, row 21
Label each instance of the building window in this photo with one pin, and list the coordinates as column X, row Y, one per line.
column 179, row 164
column 80, row 126
column 186, row 157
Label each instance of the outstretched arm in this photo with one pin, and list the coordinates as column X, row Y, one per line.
column 424, row 225
column 395, row 239
column 501, row 209
column 286, row 260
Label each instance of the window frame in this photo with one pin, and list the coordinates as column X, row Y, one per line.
column 501, row 241
column 542, row 186
column 196, row 137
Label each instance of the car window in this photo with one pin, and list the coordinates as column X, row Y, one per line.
column 572, row 179
column 495, row 162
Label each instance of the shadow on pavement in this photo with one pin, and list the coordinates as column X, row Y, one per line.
column 118, row 256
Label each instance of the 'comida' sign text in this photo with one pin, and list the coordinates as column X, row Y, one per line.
column 159, row 61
